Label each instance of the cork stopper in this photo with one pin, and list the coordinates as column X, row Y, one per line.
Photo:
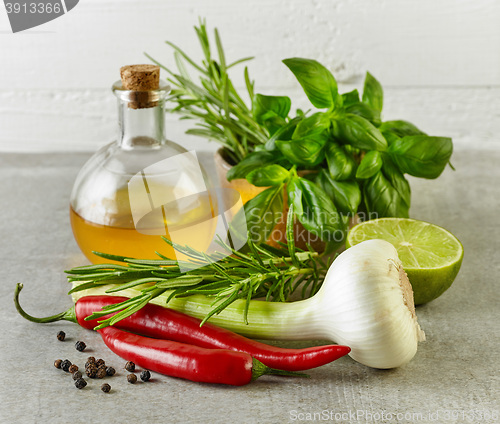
column 140, row 79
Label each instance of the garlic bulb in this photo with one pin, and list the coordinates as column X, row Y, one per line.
column 367, row 304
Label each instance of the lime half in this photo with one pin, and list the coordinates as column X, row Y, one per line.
column 431, row 256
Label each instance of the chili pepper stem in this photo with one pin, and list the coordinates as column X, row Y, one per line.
column 259, row 369
column 68, row 315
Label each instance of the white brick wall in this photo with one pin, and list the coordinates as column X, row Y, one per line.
column 439, row 61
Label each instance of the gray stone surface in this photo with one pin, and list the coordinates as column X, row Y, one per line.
column 453, row 378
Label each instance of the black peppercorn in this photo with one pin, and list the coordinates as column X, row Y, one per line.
column 57, row 363
column 76, row 375
column 99, row 362
column 61, row 335
column 110, row 371
column 101, row 372
column 91, row 371
column 132, row 378
column 91, row 359
column 80, row 383
column 80, row 346
column 65, row 365
column 73, row 368
column 106, row 388
column 145, row 375
column 130, row 366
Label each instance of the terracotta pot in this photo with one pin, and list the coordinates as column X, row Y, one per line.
column 248, row 191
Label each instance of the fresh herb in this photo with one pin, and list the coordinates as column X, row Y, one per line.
column 212, row 99
column 263, row 271
column 334, row 162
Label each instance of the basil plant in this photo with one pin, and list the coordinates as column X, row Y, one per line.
column 336, row 162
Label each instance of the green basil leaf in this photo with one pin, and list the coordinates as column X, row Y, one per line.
column 315, row 210
column 271, row 111
column 421, row 155
column 285, row 132
column 373, row 94
column 317, row 81
column 341, row 164
column 383, row 199
column 390, row 136
column 370, row 165
column 350, row 98
column 263, row 212
column 397, row 179
column 262, row 105
column 400, row 128
column 269, row 175
column 311, row 126
column 252, row 161
column 304, row 151
column 359, row 132
column 367, row 112
column 346, row 195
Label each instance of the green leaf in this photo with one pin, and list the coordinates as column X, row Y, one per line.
column 365, row 111
column 370, row 165
column 269, row 175
column 401, row 128
column 359, row 132
column 346, row 195
column 317, row 81
column 312, row 126
column 373, row 94
column 421, row 155
column 390, row 136
column 263, row 212
column 283, row 133
column 263, row 105
column 341, row 164
column 304, row 151
column 252, row 161
column 397, row 179
column 350, row 98
column 315, row 210
column 381, row 197
column 271, row 111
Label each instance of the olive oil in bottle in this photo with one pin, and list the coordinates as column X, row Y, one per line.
column 143, row 186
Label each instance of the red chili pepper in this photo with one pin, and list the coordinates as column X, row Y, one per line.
column 162, row 323
column 186, row 361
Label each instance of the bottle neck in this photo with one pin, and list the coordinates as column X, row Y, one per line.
column 140, row 128
column 141, row 123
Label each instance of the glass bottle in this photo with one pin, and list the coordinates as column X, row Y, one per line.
column 143, row 186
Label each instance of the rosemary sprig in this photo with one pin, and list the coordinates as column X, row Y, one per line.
column 262, row 272
column 212, row 100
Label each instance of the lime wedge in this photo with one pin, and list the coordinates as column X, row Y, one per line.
column 431, row 256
